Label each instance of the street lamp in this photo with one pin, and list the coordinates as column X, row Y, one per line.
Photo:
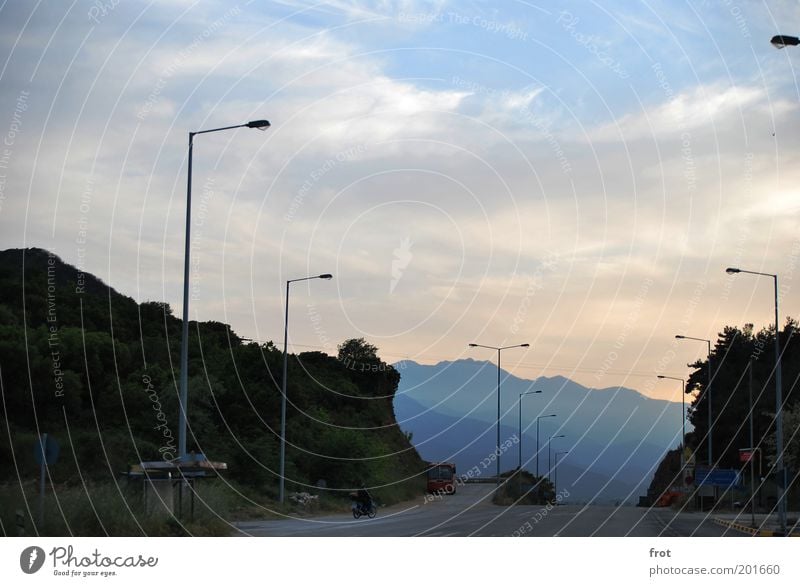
column 498, row 393
column 549, row 467
column 781, row 41
column 708, row 396
column 780, row 473
column 537, row 440
column 184, row 379
column 555, row 473
column 683, row 411
column 326, row 276
column 520, row 423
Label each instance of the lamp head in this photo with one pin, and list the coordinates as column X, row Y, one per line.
column 473, row 345
column 526, row 345
column 781, row 41
column 260, row 124
column 732, row 271
column 325, row 276
column 660, row 376
column 679, row 337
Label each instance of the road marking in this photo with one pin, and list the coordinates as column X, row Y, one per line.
column 751, row 530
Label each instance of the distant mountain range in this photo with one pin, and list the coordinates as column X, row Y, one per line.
column 616, row 437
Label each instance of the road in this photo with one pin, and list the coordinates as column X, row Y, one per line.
column 471, row 513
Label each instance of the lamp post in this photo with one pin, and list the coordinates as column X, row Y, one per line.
column 184, row 377
column 537, row 440
column 498, row 393
column 549, row 467
column 520, row 423
column 780, row 473
column 555, row 473
column 779, row 41
column 752, row 446
column 683, row 412
column 708, row 396
column 283, row 385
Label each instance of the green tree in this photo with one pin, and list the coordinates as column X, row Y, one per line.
column 357, row 350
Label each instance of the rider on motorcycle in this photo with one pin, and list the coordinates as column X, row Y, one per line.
column 363, row 499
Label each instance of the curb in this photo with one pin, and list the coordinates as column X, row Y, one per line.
column 751, row 530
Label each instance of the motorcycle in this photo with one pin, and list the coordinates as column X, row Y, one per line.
column 359, row 508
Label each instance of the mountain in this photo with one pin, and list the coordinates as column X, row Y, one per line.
column 99, row 372
column 615, row 436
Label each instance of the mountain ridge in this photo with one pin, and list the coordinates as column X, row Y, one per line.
column 615, row 435
column 401, row 364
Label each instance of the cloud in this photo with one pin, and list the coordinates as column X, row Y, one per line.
column 697, row 108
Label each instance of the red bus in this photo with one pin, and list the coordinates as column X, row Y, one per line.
column 442, row 477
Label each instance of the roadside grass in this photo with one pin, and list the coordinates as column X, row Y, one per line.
column 108, row 509
column 409, row 489
column 118, row 509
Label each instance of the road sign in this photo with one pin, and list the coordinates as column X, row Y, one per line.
column 747, row 454
column 50, row 450
column 723, row 477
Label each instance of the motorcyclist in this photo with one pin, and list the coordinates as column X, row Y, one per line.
column 363, row 499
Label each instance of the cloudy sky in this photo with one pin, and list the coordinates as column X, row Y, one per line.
column 577, row 178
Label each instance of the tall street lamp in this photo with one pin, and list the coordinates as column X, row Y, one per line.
column 708, row 396
column 549, row 466
column 498, row 393
column 184, row 379
column 779, row 41
column 555, row 472
column 520, row 423
column 537, row 440
column 683, row 412
column 283, row 390
column 780, row 473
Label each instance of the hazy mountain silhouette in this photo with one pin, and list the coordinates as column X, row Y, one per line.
column 615, row 436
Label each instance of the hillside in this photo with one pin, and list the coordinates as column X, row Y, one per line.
column 99, row 372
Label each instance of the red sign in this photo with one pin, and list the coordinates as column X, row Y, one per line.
column 745, row 454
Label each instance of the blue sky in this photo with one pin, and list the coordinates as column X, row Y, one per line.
column 573, row 175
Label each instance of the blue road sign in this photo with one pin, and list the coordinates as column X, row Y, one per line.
column 723, row 477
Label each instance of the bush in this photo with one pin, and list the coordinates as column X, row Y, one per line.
column 523, row 488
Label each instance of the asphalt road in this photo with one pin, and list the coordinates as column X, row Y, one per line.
column 470, row 513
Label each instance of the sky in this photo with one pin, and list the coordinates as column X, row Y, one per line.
column 572, row 175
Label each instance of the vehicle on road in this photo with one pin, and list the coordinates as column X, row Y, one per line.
column 442, row 478
column 669, row 497
column 361, row 508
